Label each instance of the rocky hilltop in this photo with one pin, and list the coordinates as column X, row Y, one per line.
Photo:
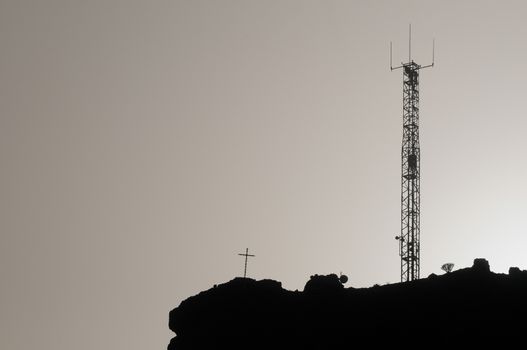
column 470, row 307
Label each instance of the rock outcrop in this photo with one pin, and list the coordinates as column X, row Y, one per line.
column 471, row 307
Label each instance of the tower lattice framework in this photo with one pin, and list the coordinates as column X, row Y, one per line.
column 409, row 239
column 410, row 176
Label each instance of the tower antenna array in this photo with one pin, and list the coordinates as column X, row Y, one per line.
column 409, row 240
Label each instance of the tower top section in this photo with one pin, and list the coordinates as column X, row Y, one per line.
column 410, row 62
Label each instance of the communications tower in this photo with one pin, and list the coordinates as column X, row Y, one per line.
column 409, row 240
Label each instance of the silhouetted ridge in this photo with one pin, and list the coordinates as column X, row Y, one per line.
column 471, row 306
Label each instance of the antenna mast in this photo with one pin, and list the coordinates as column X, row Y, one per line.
column 409, row 240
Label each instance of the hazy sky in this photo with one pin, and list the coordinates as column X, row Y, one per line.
column 144, row 144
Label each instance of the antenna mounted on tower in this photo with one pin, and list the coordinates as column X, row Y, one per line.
column 410, row 52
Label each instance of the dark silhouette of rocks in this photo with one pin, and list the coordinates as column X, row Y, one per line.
column 323, row 285
column 481, row 266
column 469, row 307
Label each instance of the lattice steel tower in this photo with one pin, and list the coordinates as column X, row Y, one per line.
column 409, row 240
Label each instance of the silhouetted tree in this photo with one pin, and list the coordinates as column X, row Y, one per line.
column 447, row 267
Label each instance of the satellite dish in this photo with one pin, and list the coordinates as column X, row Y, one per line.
column 343, row 279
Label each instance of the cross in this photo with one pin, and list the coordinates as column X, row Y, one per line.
column 246, row 255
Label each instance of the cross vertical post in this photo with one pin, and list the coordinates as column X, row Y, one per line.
column 246, row 255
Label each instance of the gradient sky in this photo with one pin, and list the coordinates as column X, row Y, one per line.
column 144, row 144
